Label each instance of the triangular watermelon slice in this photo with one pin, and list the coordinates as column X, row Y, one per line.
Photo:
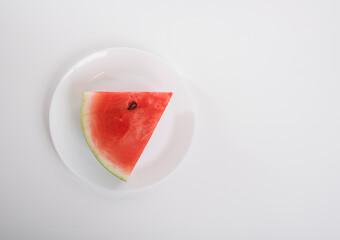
column 118, row 125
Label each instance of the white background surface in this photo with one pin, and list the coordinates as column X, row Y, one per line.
column 264, row 163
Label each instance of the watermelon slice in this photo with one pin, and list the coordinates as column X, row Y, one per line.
column 118, row 125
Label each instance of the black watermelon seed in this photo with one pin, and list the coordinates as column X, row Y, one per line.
column 132, row 106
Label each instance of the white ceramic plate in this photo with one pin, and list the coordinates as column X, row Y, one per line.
column 122, row 69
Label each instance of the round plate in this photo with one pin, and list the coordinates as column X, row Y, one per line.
column 122, row 69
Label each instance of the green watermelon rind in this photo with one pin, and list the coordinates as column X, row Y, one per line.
column 100, row 160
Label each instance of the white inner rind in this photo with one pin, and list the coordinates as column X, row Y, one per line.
column 86, row 126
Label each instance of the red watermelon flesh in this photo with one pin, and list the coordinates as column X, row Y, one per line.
column 118, row 125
